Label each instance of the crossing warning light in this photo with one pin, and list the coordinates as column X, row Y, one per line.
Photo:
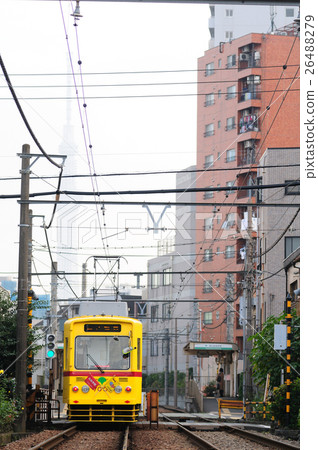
column 50, row 346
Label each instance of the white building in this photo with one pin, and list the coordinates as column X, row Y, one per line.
column 228, row 22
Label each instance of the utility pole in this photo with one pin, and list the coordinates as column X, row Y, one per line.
column 187, row 364
column 167, row 368
column 22, row 310
column 249, row 286
column 175, row 379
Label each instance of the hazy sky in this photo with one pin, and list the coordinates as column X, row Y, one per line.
column 126, row 134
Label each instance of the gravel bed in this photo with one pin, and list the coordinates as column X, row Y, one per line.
column 96, row 440
column 30, row 441
column 159, row 439
column 226, row 441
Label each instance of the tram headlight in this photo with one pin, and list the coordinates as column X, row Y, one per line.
column 118, row 389
column 85, row 389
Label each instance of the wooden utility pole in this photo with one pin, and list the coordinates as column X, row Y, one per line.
column 22, row 311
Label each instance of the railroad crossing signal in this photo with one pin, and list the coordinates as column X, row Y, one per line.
column 50, row 346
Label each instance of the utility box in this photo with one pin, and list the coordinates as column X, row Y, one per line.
column 280, row 337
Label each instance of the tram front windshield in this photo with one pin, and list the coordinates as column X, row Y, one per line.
column 101, row 352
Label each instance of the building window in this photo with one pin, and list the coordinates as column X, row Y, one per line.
column 229, row 252
column 289, row 12
column 230, row 92
column 230, row 123
column 209, row 130
column 167, row 277
column 209, row 69
column 207, row 318
column 229, row 35
column 207, row 286
column 209, row 99
column 209, row 160
column 229, row 221
column 208, row 223
column 154, row 313
column 230, row 184
column 154, row 347
column 154, row 280
column 217, row 315
column 229, row 12
column 219, row 93
column 165, row 311
column 219, row 124
column 231, row 61
column 217, row 283
column 230, row 155
column 291, row 244
column 292, row 190
column 212, row 32
column 208, row 254
column 208, row 194
column 219, row 63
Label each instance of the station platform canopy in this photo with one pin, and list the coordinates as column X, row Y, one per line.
column 206, row 349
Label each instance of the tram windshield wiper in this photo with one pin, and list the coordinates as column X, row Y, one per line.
column 96, row 363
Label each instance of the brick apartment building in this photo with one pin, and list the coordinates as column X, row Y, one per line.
column 243, row 109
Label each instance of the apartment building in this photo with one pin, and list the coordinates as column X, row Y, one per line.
column 248, row 101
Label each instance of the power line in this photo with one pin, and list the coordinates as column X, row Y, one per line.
column 108, row 97
column 139, row 72
column 158, row 172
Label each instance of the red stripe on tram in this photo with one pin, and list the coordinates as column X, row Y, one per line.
column 98, row 373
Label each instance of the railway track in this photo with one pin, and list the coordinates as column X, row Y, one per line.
column 70, row 437
column 204, row 438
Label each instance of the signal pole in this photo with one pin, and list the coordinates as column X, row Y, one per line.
column 22, row 310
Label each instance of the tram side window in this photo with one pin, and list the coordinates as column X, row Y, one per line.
column 101, row 352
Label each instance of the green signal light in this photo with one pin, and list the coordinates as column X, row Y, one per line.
column 50, row 354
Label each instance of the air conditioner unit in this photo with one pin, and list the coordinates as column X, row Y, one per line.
column 243, row 57
column 257, row 56
column 248, row 144
column 257, row 79
column 246, row 49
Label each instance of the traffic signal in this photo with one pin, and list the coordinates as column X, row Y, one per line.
column 50, row 346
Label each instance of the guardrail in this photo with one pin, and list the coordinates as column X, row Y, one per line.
column 233, row 404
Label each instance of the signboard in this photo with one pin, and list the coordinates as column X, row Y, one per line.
column 208, row 346
column 280, row 337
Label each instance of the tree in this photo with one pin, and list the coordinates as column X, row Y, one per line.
column 265, row 360
column 8, row 335
column 8, row 328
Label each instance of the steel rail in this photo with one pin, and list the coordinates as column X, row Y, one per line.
column 53, row 441
column 194, row 437
column 125, row 440
column 258, row 438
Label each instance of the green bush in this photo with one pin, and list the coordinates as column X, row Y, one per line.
column 278, row 404
column 210, row 389
column 9, row 408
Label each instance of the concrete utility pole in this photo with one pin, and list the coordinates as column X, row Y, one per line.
column 249, row 286
column 22, row 311
column 167, row 368
column 175, row 380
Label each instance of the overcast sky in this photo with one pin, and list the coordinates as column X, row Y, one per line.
column 126, row 134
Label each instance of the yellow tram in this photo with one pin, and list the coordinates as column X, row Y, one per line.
column 102, row 378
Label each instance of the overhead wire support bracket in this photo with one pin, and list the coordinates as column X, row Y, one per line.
column 37, row 156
